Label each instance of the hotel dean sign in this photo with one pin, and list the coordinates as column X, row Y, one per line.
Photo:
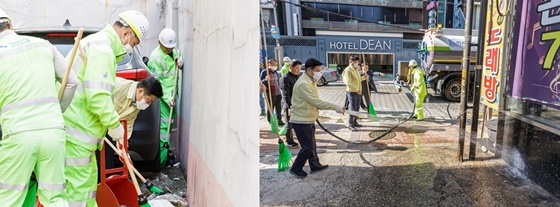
column 361, row 45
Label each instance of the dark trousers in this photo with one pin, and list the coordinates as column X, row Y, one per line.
column 289, row 133
column 366, row 94
column 276, row 105
column 354, row 104
column 308, row 152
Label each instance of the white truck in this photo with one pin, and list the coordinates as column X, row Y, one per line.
column 441, row 54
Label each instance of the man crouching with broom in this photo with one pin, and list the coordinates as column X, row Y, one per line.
column 304, row 111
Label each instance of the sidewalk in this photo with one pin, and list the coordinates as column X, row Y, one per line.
column 401, row 176
column 439, row 128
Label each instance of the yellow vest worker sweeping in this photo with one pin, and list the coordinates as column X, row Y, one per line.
column 131, row 97
column 31, row 117
column 419, row 89
column 163, row 64
column 92, row 112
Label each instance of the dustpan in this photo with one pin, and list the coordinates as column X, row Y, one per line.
column 115, row 188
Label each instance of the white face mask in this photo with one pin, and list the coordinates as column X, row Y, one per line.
column 142, row 104
column 317, row 76
column 355, row 65
column 127, row 46
column 273, row 68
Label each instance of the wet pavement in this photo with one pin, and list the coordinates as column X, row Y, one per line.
column 401, row 176
column 440, row 127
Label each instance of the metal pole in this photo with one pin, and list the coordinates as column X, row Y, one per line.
column 264, row 35
column 278, row 49
column 478, row 78
column 465, row 78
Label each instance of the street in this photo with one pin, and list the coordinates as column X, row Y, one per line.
column 414, row 165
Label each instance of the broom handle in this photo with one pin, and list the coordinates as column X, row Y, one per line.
column 71, row 61
column 367, row 79
column 172, row 107
column 119, row 152
column 270, row 110
column 269, row 90
column 136, row 186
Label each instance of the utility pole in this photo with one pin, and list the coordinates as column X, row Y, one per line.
column 478, row 77
column 264, row 38
column 465, row 79
column 279, row 51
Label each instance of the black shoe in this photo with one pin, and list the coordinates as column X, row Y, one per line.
column 358, row 125
column 281, row 123
column 293, row 145
column 301, row 174
column 262, row 113
column 352, row 128
column 319, row 169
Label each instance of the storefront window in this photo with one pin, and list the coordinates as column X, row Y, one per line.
column 543, row 114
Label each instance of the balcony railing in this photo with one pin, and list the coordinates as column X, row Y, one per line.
column 387, row 3
column 360, row 26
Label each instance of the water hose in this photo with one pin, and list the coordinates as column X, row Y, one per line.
column 373, row 139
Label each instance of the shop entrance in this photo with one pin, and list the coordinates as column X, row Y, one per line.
column 378, row 62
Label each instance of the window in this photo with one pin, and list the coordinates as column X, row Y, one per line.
column 369, row 13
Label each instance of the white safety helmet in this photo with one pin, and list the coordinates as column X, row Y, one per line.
column 412, row 63
column 168, row 38
column 137, row 21
column 4, row 15
column 287, row 59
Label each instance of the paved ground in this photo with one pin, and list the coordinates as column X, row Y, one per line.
column 440, row 126
column 401, row 176
column 414, row 165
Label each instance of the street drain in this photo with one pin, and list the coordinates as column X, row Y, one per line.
column 375, row 134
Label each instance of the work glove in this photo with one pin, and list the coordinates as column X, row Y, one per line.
column 339, row 109
column 179, row 62
column 117, row 133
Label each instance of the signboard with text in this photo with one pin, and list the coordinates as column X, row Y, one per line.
column 493, row 56
column 536, row 74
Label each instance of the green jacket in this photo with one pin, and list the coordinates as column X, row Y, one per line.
column 419, row 84
column 306, row 102
column 29, row 67
column 92, row 111
column 163, row 66
column 285, row 69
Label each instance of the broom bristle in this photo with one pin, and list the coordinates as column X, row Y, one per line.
column 284, row 130
column 273, row 124
column 372, row 113
column 284, row 157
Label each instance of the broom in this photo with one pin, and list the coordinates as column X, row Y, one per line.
column 284, row 154
column 149, row 185
column 371, row 110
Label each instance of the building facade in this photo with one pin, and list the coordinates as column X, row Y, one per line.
column 385, row 33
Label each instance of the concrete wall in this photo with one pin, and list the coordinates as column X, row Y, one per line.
column 86, row 13
column 220, row 42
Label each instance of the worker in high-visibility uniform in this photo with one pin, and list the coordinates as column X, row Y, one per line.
column 92, row 112
column 131, row 96
column 418, row 88
column 163, row 63
column 31, row 117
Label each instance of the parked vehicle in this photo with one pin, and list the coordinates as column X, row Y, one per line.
column 440, row 54
column 144, row 142
column 329, row 75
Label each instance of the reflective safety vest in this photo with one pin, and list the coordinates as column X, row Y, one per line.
column 163, row 66
column 92, row 111
column 28, row 95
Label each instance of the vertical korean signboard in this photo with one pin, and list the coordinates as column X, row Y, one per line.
column 493, row 53
column 536, row 74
